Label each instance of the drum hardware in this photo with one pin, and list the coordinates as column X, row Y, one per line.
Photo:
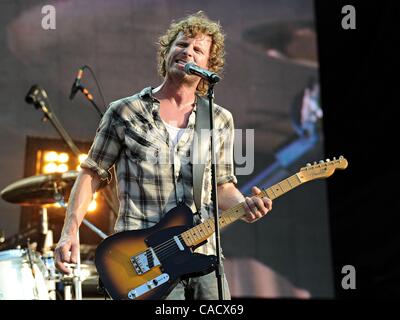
column 28, row 250
column 22, row 276
column 77, row 281
column 87, row 223
column 2, row 236
column 68, row 282
column 43, row 190
column 51, row 275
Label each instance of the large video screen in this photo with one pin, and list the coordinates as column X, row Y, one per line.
column 270, row 84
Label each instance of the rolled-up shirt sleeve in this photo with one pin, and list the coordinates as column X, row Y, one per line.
column 225, row 163
column 105, row 148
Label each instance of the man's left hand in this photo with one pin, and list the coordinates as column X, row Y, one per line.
column 256, row 207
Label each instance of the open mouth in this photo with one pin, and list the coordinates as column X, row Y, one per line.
column 181, row 62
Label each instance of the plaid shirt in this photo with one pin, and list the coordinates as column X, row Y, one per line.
column 153, row 175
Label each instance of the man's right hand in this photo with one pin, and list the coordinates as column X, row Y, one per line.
column 81, row 194
column 66, row 252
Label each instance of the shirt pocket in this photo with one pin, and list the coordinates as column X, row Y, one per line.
column 139, row 146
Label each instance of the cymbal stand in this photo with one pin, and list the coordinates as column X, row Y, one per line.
column 91, row 226
column 47, row 254
column 77, row 281
column 44, row 228
column 77, row 272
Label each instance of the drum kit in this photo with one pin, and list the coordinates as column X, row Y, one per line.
column 28, row 272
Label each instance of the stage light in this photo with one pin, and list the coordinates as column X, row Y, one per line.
column 82, row 157
column 62, row 167
column 92, row 206
column 63, row 157
column 50, row 156
column 50, row 167
column 53, row 161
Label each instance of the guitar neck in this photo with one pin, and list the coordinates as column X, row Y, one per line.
column 203, row 231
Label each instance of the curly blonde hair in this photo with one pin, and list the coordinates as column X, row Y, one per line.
column 191, row 26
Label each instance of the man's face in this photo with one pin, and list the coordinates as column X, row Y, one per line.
column 185, row 49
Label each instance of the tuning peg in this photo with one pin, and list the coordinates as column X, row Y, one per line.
column 308, row 164
column 328, row 160
column 341, row 158
column 315, row 162
column 321, row 161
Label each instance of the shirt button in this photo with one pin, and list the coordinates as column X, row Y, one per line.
column 180, row 199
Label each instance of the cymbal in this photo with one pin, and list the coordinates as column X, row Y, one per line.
column 40, row 189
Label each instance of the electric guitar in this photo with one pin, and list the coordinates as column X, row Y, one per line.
column 147, row 264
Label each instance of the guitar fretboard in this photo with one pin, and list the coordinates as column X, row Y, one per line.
column 203, row 231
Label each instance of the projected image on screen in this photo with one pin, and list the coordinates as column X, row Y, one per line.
column 270, row 85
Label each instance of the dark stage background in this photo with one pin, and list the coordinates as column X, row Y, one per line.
column 359, row 71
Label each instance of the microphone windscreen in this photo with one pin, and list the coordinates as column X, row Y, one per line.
column 31, row 96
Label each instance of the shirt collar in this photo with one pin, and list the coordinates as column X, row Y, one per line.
column 152, row 103
column 147, row 94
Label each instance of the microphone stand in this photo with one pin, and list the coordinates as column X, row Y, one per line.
column 38, row 102
column 219, row 269
column 89, row 96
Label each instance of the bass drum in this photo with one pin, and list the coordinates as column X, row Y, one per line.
column 22, row 276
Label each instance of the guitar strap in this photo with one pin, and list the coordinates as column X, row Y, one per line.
column 201, row 143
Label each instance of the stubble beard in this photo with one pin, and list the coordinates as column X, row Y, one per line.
column 182, row 76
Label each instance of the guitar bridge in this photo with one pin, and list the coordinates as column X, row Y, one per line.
column 148, row 286
column 145, row 261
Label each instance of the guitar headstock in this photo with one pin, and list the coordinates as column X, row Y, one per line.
column 322, row 169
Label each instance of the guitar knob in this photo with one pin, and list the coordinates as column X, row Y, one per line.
column 341, row 157
column 315, row 162
column 328, row 160
column 334, row 158
column 321, row 161
column 308, row 164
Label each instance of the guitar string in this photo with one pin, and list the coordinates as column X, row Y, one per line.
column 167, row 253
column 165, row 244
column 163, row 253
column 169, row 242
column 166, row 248
column 163, row 247
column 163, row 250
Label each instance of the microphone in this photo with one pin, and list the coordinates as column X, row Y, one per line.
column 191, row 68
column 35, row 94
column 77, row 83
